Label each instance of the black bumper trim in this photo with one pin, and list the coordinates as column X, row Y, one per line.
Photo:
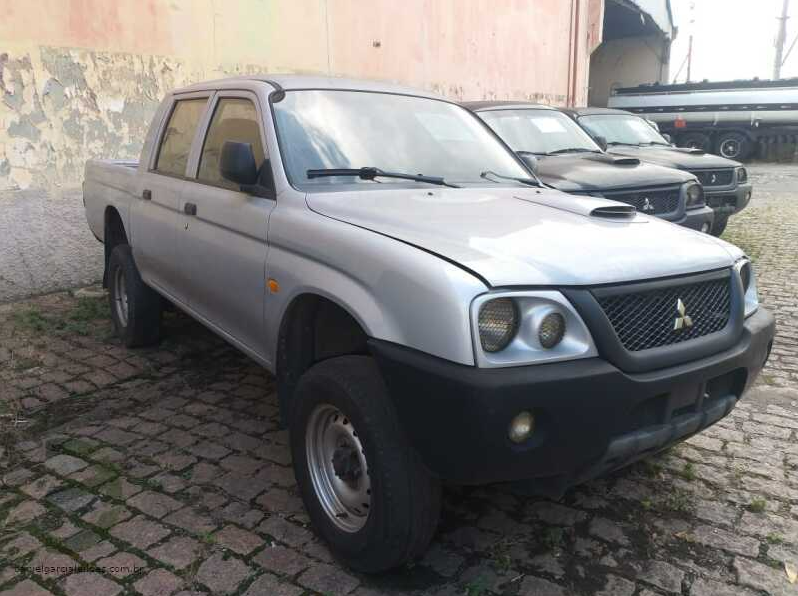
column 590, row 416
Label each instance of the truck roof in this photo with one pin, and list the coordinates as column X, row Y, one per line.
column 480, row 106
column 705, row 85
column 292, row 81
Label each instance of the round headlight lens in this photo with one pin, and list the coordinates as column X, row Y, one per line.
column 551, row 330
column 742, row 175
column 695, row 195
column 498, row 324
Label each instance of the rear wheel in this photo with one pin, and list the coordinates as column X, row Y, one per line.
column 366, row 492
column 734, row 145
column 135, row 307
column 695, row 140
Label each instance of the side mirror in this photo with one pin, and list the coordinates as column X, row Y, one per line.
column 601, row 142
column 529, row 160
column 667, row 137
column 237, row 163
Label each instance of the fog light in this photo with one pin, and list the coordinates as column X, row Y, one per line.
column 551, row 330
column 522, row 427
column 705, row 228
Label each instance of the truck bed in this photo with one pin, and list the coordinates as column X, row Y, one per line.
column 108, row 183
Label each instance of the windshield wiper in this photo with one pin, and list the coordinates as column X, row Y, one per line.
column 572, row 150
column 656, row 143
column 527, row 181
column 370, row 173
column 625, row 144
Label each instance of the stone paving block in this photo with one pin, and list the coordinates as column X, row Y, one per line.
column 104, row 515
column 64, row 464
column 178, row 552
column 117, row 437
column 174, row 460
column 98, row 551
column 725, row 540
column 270, row 585
column 328, row 580
column 158, row 582
column 663, row 575
column 710, row 587
column 279, row 500
column 93, row 475
column 761, row 577
column 71, row 499
column 617, row 586
column 240, row 513
column 49, row 564
column 238, row 540
column 108, row 455
column 536, row 586
column 121, row 489
column 24, row 512
column 285, row 531
column 281, row 560
column 223, row 575
column 26, row 588
column 89, row 583
column 154, row 504
column 191, row 521
column 140, row 532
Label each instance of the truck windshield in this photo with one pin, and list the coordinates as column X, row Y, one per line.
column 543, row 132
column 325, row 129
column 622, row 129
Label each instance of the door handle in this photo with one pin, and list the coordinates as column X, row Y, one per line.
column 190, row 209
column 146, row 194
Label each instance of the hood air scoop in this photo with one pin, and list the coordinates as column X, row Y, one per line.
column 614, row 212
column 626, row 161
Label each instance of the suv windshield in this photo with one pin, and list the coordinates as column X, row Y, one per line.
column 538, row 131
column 324, row 129
column 623, row 129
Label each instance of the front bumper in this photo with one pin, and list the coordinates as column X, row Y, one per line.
column 697, row 219
column 590, row 416
column 730, row 201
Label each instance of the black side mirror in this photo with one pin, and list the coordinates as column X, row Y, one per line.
column 601, row 142
column 667, row 137
column 237, row 163
column 530, row 161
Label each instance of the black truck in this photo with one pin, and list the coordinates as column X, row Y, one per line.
column 725, row 181
column 563, row 156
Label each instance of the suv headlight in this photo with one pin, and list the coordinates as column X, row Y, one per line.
column 694, row 196
column 742, row 175
column 513, row 328
column 745, row 270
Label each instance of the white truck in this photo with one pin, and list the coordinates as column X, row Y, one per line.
column 431, row 312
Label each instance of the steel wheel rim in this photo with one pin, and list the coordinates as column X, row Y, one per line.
column 730, row 148
column 338, row 468
column 120, row 296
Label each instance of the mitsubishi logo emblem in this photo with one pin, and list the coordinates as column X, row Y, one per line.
column 713, row 178
column 647, row 206
column 683, row 320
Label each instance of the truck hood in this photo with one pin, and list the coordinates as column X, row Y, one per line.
column 600, row 171
column 674, row 157
column 527, row 236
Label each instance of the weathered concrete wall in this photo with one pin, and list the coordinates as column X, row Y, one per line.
column 81, row 78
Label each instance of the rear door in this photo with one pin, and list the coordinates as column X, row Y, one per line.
column 224, row 240
column 157, row 215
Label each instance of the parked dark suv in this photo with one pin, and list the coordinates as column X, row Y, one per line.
column 725, row 181
column 562, row 155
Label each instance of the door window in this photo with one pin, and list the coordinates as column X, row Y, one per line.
column 234, row 119
column 177, row 138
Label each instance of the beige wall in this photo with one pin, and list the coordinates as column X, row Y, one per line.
column 81, row 78
column 627, row 62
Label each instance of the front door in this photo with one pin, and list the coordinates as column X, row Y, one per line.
column 224, row 241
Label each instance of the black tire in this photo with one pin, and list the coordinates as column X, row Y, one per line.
column 719, row 225
column 695, row 140
column 734, row 145
column 142, row 326
column 405, row 498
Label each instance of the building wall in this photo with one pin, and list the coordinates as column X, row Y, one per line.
column 627, row 62
column 81, row 78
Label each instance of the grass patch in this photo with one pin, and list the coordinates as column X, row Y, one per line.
column 757, row 505
column 75, row 322
column 688, row 472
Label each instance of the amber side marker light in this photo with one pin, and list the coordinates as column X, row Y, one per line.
column 274, row 287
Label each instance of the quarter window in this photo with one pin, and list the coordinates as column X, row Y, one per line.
column 233, row 120
column 176, row 140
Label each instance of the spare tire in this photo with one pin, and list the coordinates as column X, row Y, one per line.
column 734, row 145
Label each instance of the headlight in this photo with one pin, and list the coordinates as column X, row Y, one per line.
column 745, row 270
column 498, row 323
column 742, row 175
column 694, row 196
column 528, row 327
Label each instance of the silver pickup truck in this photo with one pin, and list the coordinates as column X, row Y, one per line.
column 431, row 313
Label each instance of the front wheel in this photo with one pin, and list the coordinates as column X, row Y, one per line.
column 719, row 225
column 362, row 484
column 734, row 145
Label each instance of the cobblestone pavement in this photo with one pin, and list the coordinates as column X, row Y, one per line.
column 163, row 471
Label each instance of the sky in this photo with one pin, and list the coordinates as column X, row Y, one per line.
column 732, row 39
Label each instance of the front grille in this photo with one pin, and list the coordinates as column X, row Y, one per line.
column 646, row 320
column 652, row 202
column 715, row 177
